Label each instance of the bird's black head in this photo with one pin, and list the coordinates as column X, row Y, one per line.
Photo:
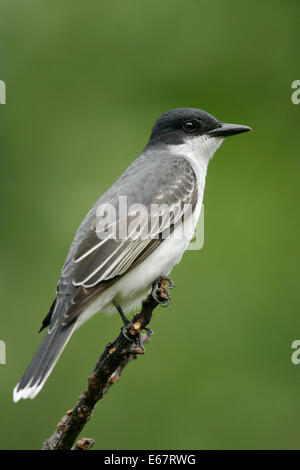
column 177, row 125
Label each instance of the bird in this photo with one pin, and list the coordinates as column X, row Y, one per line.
column 104, row 272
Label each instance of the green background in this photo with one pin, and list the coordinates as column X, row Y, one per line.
column 85, row 82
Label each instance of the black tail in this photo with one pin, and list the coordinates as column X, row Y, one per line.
column 43, row 362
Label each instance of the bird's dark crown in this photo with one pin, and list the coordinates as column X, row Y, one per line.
column 175, row 126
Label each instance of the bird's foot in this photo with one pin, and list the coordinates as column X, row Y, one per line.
column 131, row 333
column 137, row 346
column 160, row 290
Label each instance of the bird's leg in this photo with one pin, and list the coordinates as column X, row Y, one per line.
column 125, row 320
column 160, row 290
column 122, row 314
column 138, row 347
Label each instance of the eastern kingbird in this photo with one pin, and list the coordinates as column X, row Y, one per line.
column 105, row 273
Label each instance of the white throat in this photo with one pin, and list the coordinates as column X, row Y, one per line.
column 199, row 151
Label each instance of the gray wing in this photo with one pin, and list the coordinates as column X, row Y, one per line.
column 95, row 263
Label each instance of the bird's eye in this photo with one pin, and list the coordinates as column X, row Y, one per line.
column 189, row 126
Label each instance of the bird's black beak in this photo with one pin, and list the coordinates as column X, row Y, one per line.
column 225, row 130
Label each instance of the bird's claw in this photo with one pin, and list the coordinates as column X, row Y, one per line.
column 137, row 346
column 124, row 330
column 150, row 332
column 160, row 290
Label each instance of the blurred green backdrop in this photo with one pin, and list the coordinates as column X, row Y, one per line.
column 85, row 82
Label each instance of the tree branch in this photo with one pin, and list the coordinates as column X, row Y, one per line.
column 107, row 371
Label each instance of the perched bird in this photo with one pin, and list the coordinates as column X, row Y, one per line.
column 104, row 271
